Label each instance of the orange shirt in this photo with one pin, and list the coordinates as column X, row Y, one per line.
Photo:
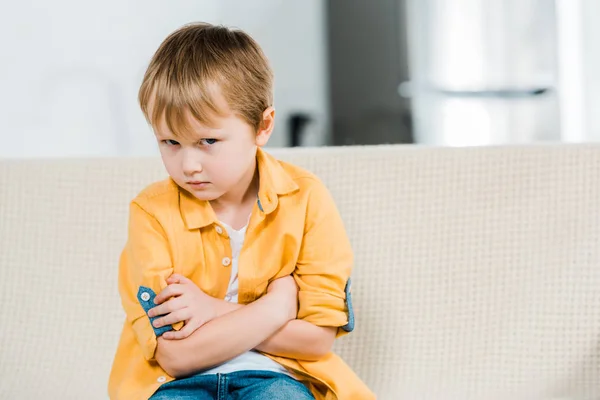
column 295, row 228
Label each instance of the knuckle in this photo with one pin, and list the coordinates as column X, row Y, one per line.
column 171, row 305
column 176, row 317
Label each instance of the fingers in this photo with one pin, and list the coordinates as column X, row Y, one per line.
column 167, row 307
column 168, row 292
column 177, row 278
column 184, row 332
column 172, row 318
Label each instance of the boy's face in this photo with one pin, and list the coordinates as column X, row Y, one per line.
column 220, row 161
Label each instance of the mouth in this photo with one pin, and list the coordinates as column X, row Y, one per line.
column 197, row 184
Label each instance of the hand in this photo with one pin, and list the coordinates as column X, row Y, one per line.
column 180, row 301
column 285, row 290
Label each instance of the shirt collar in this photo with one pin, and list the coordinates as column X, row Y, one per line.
column 274, row 182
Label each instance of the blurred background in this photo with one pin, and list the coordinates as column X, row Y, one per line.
column 348, row 72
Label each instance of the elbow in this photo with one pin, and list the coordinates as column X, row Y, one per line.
column 177, row 359
column 322, row 349
column 313, row 354
column 171, row 368
column 169, row 360
column 319, row 348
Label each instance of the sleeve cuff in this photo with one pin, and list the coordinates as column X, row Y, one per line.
column 146, row 297
column 324, row 309
column 349, row 327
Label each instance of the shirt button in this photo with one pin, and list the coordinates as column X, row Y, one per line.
column 145, row 296
column 161, row 379
column 219, row 229
column 226, row 261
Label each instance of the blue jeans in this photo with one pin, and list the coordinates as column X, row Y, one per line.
column 241, row 385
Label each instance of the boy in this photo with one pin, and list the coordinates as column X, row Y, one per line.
column 235, row 274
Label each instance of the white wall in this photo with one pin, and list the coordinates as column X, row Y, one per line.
column 579, row 66
column 591, row 68
column 70, row 70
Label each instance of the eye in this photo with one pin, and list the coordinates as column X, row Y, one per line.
column 170, row 142
column 207, row 142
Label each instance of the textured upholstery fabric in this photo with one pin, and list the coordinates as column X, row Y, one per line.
column 477, row 270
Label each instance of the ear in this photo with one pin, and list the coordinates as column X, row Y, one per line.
column 266, row 127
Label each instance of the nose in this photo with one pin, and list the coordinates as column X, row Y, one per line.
column 190, row 163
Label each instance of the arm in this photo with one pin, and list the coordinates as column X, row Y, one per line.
column 323, row 269
column 297, row 339
column 144, row 266
column 300, row 340
column 246, row 328
column 322, row 274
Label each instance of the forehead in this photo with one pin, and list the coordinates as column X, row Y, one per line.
column 183, row 125
column 187, row 120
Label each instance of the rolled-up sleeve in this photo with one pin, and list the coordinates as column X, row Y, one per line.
column 324, row 265
column 145, row 265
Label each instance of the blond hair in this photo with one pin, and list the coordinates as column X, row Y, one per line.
column 193, row 64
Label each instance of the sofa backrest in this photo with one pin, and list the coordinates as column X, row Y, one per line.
column 477, row 270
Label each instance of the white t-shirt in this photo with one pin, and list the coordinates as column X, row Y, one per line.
column 251, row 360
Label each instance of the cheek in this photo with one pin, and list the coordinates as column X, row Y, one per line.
column 170, row 162
column 231, row 165
column 222, row 167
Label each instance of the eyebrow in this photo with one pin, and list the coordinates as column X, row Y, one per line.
column 187, row 138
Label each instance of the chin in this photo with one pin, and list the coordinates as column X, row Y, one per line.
column 205, row 196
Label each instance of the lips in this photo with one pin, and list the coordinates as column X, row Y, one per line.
column 197, row 184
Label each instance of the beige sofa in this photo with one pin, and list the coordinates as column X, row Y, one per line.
column 477, row 270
